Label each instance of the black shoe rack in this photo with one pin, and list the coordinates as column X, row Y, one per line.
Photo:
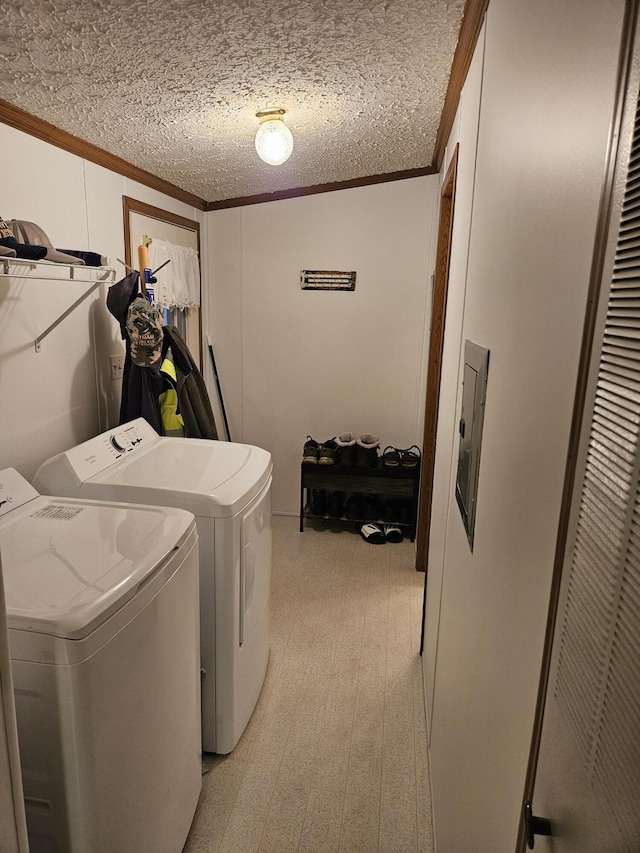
column 390, row 486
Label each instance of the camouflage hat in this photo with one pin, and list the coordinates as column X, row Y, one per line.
column 144, row 325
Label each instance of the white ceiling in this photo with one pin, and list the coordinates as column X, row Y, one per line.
column 172, row 86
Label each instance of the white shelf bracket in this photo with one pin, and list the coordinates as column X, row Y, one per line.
column 55, row 323
column 6, row 264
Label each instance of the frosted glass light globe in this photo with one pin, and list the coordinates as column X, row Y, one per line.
column 274, row 142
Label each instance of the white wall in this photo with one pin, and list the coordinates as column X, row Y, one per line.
column 296, row 362
column 64, row 394
column 546, row 90
column 464, row 137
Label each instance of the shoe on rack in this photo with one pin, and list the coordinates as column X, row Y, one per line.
column 353, row 509
column 404, row 512
column 346, row 442
column 328, row 452
column 410, row 457
column 373, row 534
column 371, row 508
column 336, row 504
column 310, row 451
column 319, row 502
column 367, row 450
column 389, row 512
column 391, row 457
column 392, row 533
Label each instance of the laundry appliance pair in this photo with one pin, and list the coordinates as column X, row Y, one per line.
column 113, row 677
column 227, row 487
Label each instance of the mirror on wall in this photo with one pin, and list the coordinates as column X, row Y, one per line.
column 175, row 238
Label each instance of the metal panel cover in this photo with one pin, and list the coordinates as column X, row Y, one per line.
column 476, row 369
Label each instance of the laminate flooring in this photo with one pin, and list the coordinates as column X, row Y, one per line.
column 334, row 757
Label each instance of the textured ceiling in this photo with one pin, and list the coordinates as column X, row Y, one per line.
column 173, row 87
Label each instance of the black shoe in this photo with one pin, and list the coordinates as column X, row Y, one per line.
column 310, row 451
column 346, row 442
column 371, row 508
column 367, row 450
column 336, row 504
column 354, row 507
column 328, row 453
column 390, row 511
column 319, row 502
column 404, row 510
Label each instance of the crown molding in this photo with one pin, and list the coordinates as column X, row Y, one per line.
column 472, row 20
column 21, row 120
column 296, row 192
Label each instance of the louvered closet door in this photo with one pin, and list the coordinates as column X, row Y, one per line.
column 588, row 776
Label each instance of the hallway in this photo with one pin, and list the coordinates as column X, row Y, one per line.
column 334, row 757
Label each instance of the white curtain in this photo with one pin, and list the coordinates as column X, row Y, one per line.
column 178, row 284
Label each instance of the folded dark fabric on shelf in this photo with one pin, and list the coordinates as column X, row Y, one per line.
column 23, row 250
column 91, row 259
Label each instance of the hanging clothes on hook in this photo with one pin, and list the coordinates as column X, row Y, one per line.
column 142, row 382
column 192, row 400
column 147, row 376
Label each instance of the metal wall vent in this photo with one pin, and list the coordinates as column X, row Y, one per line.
column 327, row 280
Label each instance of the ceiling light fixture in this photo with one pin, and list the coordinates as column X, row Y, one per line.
column 274, row 142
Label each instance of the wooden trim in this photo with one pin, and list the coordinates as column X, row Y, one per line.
column 470, row 27
column 160, row 214
column 434, row 374
column 472, row 20
column 133, row 205
column 27, row 123
column 580, row 399
column 321, row 188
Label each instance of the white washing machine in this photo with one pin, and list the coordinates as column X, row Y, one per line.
column 227, row 487
column 102, row 612
column 13, row 823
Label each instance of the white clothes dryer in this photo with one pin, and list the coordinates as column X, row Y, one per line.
column 227, row 486
column 102, row 613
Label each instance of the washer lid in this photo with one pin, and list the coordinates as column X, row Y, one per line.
column 212, row 479
column 70, row 564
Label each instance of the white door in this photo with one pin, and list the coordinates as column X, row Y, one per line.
column 587, row 781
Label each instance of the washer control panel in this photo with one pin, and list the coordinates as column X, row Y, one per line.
column 14, row 490
column 78, row 464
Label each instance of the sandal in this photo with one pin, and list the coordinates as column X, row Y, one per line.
column 373, row 534
column 390, row 457
column 392, row 533
column 409, row 458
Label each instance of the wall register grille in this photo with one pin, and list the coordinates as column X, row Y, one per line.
column 327, row 280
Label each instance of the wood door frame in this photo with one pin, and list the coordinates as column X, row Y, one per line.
column 434, row 370
column 132, row 205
